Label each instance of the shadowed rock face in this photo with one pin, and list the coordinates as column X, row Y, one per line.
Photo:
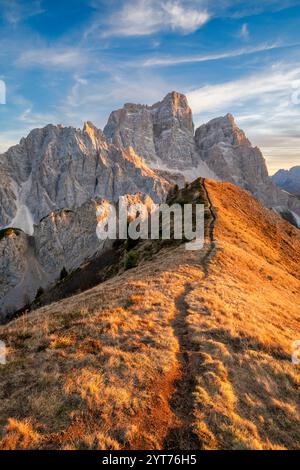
column 20, row 272
column 64, row 239
column 227, row 150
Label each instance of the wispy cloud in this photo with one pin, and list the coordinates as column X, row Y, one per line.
column 273, row 85
column 244, row 32
column 94, row 99
column 127, row 18
column 262, row 104
column 31, row 118
column 16, row 11
column 53, row 58
column 107, row 52
column 242, row 8
column 167, row 61
column 145, row 17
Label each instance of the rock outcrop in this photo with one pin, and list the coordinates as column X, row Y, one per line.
column 20, row 272
column 163, row 134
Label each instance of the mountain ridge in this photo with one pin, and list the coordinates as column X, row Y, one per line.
column 165, row 355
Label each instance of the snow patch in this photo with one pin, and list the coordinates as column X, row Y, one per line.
column 201, row 170
column 23, row 218
column 296, row 217
column 282, row 209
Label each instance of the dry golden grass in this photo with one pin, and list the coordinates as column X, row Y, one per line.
column 243, row 319
column 96, row 370
column 101, row 369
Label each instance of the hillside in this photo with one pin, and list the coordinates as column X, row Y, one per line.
column 187, row 350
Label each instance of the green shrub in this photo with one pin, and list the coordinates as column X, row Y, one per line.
column 63, row 273
column 7, row 232
column 39, row 293
column 132, row 259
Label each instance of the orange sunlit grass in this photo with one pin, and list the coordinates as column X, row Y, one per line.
column 168, row 352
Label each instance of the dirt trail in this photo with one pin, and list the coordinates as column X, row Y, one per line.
column 182, row 435
column 212, row 246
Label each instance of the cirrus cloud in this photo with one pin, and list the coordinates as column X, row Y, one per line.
column 53, row 57
column 145, row 17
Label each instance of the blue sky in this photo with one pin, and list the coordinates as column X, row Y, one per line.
column 68, row 61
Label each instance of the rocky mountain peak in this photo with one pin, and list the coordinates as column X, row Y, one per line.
column 176, row 102
column 174, row 112
column 220, row 130
column 58, row 167
column 48, row 187
column 89, row 127
column 163, row 134
column 142, row 150
column 228, row 152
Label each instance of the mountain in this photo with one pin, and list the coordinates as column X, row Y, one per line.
column 51, row 186
column 163, row 134
column 62, row 167
column 53, row 181
column 188, row 350
column 289, row 180
column 228, row 152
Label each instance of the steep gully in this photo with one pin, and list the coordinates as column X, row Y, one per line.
column 182, row 435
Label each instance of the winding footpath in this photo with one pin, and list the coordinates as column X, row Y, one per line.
column 182, row 435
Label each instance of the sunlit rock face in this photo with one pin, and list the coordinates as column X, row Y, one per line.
column 163, row 134
column 228, row 152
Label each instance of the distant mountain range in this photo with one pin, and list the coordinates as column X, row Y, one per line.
column 289, row 180
column 52, row 182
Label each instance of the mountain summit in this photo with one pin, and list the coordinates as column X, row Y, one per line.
column 163, row 134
